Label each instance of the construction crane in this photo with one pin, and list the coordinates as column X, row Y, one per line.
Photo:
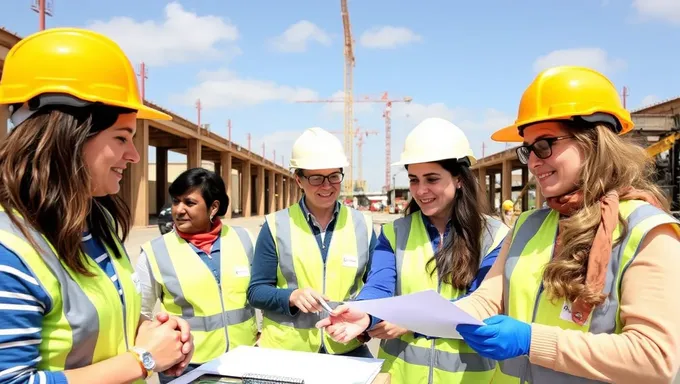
column 387, row 115
column 349, row 68
column 359, row 134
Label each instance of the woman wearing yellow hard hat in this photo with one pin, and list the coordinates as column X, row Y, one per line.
column 584, row 290
column 70, row 300
column 507, row 212
column 445, row 242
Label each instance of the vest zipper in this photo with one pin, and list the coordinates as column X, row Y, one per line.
column 224, row 321
column 323, row 292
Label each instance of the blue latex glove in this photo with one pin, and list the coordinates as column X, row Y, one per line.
column 501, row 338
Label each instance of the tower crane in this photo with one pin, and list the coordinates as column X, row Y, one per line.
column 387, row 115
column 359, row 134
column 349, row 67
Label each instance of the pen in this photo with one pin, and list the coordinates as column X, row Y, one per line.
column 325, row 305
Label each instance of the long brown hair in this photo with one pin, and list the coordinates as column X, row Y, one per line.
column 457, row 261
column 45, row 181
column 610, row 164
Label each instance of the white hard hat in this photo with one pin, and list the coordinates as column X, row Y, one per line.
column 435, row 139
column 317, row 148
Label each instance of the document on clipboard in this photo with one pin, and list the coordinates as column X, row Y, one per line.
column 255, row 365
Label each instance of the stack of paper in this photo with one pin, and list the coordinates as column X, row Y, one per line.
column 424, row 312
column 313, row 368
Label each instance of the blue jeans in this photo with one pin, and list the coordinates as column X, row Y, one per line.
column 361, row 351
column 165, row 379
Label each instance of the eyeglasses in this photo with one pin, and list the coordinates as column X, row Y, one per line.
column 542, row 148
column 333, row 178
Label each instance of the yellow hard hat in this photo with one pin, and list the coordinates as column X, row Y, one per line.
column 317, row 148
column 70, row 61
column 568, row 92
column 508, row 205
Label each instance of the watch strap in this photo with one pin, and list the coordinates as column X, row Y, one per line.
column 138, row 357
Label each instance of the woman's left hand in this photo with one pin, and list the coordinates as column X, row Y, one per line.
column 186, row 338
column 501, row 337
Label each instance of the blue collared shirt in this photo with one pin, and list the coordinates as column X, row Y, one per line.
column 262, row 291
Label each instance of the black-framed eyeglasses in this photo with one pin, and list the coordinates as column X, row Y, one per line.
column 542, row 148
column 333, row 178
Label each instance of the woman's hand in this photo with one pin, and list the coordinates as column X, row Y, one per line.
column 186, row 337
column 345, row 324
column 386, row 331
column 163, row 338
column 307, row 300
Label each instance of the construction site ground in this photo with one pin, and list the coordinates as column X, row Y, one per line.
column 140, row 235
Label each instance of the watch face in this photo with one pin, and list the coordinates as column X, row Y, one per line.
column 148, row 361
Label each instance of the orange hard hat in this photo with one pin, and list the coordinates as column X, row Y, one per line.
column 568, row 92
column 69, row 61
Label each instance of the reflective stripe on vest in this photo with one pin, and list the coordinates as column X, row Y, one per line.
column 87, row 322
column 418, row 360
column 219, row 315
column 531, row 250
column 301, row 266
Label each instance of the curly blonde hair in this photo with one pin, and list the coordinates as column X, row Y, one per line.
column 611, row 163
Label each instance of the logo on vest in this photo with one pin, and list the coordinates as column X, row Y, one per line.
column 565, row 314
column 240, row 271
column 350, row 261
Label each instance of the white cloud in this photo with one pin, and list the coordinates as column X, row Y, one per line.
column 595, row 58
column 649, row 100
column 666, row 10
column 181, row 37
column 298, row 36
column 388, row 37
column 223, row 88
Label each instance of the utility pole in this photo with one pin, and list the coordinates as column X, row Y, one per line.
column 198, row 108
column 43, row 8
column 143, row 75
column 229, row 131
column 625, row 96
column 483, row 148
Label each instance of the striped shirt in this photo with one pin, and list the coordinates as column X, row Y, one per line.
column 23, row 303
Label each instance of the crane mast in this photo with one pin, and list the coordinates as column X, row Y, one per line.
column 348, row 129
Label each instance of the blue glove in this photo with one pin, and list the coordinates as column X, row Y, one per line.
column 501, row 338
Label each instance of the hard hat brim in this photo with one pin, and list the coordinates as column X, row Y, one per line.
column 509, row 134
column 148, row 113
column 432, row 159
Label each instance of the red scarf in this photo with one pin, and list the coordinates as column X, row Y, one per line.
column 204, row 240
column 601, row 249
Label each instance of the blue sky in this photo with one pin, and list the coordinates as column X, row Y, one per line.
column 467, row 61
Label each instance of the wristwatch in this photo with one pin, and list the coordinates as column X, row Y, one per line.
column 145, row 359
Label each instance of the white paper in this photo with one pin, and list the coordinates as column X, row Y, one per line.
column 314, row 368
column 423, row 312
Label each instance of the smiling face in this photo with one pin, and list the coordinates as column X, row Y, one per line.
column 433, row 188
column 108, row 153
column 321, row 196
column 559, row 173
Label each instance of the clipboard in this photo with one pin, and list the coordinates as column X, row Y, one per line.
column 246, row 379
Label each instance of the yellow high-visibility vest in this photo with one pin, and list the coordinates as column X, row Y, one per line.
column 87, row 322
column 411, row 360
column 301, row 266
column 219, row 315
column 532, row 246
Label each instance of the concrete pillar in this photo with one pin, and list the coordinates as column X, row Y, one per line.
column 225, row 172
column 272, row 191
column 246, row 188
column 193, row 153
column 4, row 115
column 217, row 168
column 492, row 191
column 481, row 178
column 286, row 192
column 279, row 192
column 259, row 190
column 525, row 181
column 139, row 174
column 161, row 178
column 506, row 181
